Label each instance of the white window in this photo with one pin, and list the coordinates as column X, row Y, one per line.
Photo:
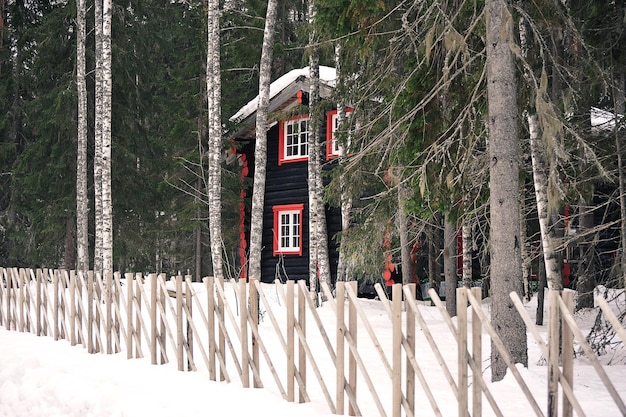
column 288, row 229
column 294, row 140
column 333, row 148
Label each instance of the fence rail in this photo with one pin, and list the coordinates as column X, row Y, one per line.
column 335, row 355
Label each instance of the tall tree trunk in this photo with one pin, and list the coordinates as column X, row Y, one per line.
column 541, row 286
column 214, row 95
column 506, row 268
column 586, row 266
column 318, row 233
column 546, row 226
column 467, row 254
column 97, row 163
column 619, row 106
column 312, row 163
column 107, row 201
column 260, row 146
column 526, row 256
column 82, row 199
column 343, row 273
column 403, row 231
column 449, row 264
column 434, row 246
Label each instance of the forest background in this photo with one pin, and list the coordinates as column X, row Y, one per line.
column 420, row 146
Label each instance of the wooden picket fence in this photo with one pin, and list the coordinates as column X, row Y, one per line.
column 223, row 329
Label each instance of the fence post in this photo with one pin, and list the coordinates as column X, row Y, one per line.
column 352, row 328
column 20, row 292
column 179, row 323
column 137, row 293
column 290, row 342
column 477, row 347
column 254, row 311
column 568, row 352
column 129, row 314
column 55, row 303
column 243, row 326
column 410, row 339
column 38, row 300
column 340, row 291
column 396, row 379
column 3, row 284
column 210, row 291
column 108, row 319
column 553, row 352
column 461, row 312
column 153, row 319
column 301, row 350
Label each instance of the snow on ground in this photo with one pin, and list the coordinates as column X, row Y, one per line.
column 43, row 378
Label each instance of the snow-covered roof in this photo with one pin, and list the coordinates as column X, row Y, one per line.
column 328, row 76
column 603, row 120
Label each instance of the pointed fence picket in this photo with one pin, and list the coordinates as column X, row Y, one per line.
column 216, row 328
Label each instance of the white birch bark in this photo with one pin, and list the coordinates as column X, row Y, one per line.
column 539, row 158
column 260, row 147
column 506, row 268
column 82, row 199
column 540, row 179
column 214, row 95
column 312, row 170
column 343, row 272
column 97, row 168
column 619, row 107
column 107, row 202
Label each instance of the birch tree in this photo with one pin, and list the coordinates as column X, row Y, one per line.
column 260, row 145
column 98, row 116
column 107, row 202
column 343, row 272
column 82, row 199
column 318, row 235
column 506, row 269
column 214, row 92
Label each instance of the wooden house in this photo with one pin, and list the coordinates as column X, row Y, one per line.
column 285, row 242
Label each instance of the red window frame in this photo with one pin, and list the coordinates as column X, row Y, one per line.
column 282, row 145
column 330, row 133
column 287, row 209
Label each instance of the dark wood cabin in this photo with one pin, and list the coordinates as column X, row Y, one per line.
column 285, row 216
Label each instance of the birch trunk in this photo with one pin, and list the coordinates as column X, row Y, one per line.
column 540, row 178
column 620, row 104
column 82, row 199
column 343, row 273
column 97, row 163
column 260, row 147
column 318, row 235
column 107, row 203
column 214, row 93
column 312, row 167
column 506, row 268
column 449, row 264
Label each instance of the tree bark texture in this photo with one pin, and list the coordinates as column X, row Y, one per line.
column 538, row 155
column 260, row 147
column 107, row 200
column 82, row 199
column 214, row 98
column 506, row 269
column 449, row 264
